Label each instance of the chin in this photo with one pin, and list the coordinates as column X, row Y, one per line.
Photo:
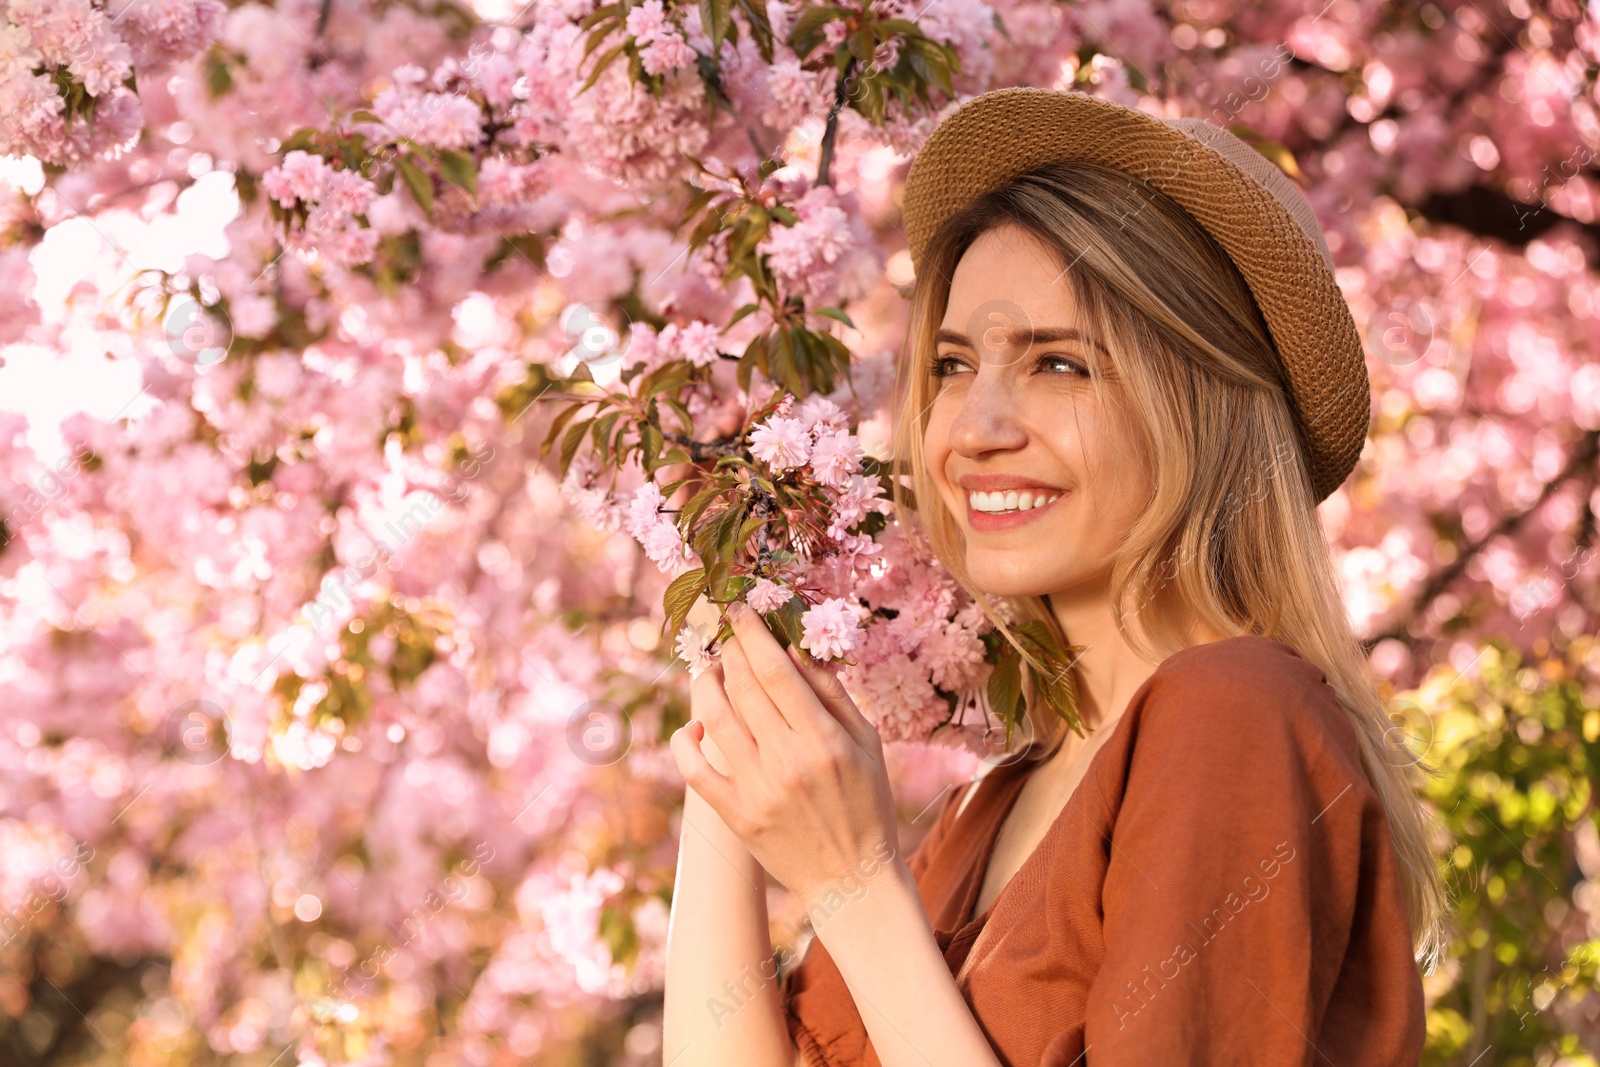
column 1012, row 578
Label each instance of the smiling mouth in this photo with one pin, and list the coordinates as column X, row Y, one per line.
column 1010, row 501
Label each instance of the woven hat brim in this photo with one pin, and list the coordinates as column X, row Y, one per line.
column 1006, row 133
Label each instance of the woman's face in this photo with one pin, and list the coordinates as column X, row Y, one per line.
column 1013, row 412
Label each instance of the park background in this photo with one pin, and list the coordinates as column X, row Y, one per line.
column 333, row 703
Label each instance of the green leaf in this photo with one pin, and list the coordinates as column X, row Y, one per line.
column 836, row 313
column 672, row 487
column 557, row 424
column 785, row 622
column 697, row 504
column 419, row 184
column 1005, row 688
column 748, row 530
column 862, row 44
column 755, row 12
column 682, row 412
column 680, row 596
column 720, row 576
column 569, row 443
column 458, row 168
column 602, row 430
column 674, row 375
column 806, row 33
column 753, row 355
column 716, row 16
column 650, row 445
column 1053, row 675
column 601, row 14
column 600, row 66
column 728, row 535
column 305, row 139
column 219, row 79
column 748, row 235
column 783, row 362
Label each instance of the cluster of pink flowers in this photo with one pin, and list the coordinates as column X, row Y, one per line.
column 828, row 255
column 336, row 202
column 662, row 45
column 767, row 596
column 437, row 119
column 815, row 435
column 924, row 640
column 830, row 629
column 593, row 503
column 98, row 50
column 657, row 532
column 695, row 341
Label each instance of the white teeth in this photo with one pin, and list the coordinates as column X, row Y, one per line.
column 1010, row 500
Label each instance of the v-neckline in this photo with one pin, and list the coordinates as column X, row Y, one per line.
column 1013, row 784
column 1011, row 781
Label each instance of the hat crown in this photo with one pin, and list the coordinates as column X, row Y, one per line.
column 1263, row 171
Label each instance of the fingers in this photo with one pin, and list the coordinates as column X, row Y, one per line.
column 745, row 663
column 787, row 689
column 709, row 703
column 831, row 694
column 714, row 788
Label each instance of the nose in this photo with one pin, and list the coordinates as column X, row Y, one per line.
column 988, row 420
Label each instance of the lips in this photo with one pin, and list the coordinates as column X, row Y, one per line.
column 989, row 483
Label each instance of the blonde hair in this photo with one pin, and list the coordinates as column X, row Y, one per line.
column 1230, row 535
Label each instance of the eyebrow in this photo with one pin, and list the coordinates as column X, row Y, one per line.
column 1017, row 336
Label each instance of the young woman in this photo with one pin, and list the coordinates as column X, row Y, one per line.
column 1129, row 379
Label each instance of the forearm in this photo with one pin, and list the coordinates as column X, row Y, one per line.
column 721, row 1002
column 884, row 948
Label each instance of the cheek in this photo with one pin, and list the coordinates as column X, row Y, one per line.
column 1119, row 480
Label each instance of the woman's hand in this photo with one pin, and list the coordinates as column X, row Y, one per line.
column 807, row 791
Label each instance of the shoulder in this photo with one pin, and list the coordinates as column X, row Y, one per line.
column 1241, row 695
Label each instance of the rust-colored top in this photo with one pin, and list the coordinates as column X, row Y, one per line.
column 1221, row 888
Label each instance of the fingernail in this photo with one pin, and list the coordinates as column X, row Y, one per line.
column 737, row 610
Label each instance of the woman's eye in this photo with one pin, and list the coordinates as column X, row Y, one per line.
column 1068, row 365
column 945, row 366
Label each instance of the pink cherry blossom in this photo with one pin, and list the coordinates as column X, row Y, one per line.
column 830, row 629
column 693, row 648
column 767, row 596
column 781, row 443
column 835, row 456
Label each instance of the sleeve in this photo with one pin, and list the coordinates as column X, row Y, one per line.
column 1232, row 878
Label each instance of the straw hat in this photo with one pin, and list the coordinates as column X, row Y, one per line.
column 1240, row 197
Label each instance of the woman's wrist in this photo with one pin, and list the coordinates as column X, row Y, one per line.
column 860, row 902
column 703, row 826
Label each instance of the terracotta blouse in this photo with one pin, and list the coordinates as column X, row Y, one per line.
column 1220, row 889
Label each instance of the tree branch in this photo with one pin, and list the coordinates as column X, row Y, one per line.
column 839, row 92
column 1582, row 459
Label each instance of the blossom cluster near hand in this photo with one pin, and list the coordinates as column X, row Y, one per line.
column 791, row 517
